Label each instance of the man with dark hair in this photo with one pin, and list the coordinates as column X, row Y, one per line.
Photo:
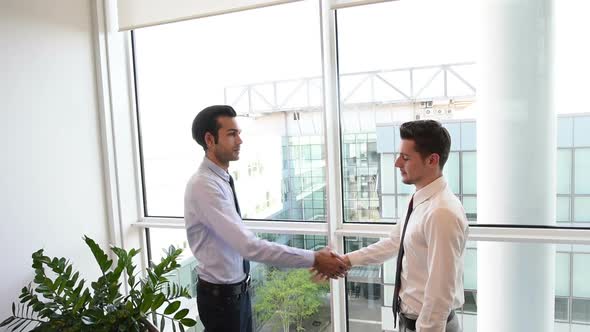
column 218, row 238
column 430, row 244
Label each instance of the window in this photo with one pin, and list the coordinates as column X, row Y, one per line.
column 397, row 62
column 272, row 78
column 263, row 276
column 391, row 78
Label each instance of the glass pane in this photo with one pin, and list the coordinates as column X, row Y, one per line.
column 564, row 171
column 275, row 77
column 468, row 136
column 266, row 281
column 582, row 175
column 454, row 129
column 581, row 272
column 364, row 287
column 451, row 172
column 185, row 275
column 582, row 131
column 470, row 206
column 565, row 128
column 582, row 209
column 563, row 209
column 366, row 293
column 562, row 274
column 561, row 308
column 469, row 173
column 581, row 311
column 470, row 307
column 470, row 272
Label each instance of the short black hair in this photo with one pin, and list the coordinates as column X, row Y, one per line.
column 206, row 121
column 430, row 137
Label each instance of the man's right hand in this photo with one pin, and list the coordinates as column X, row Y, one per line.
column 330, row 264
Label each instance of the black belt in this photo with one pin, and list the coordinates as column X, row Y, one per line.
column 411, row 323
column 224, row 289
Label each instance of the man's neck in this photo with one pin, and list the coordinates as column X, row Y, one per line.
column 216, row 161
column 426, row 181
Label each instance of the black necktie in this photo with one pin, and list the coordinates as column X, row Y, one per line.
column 246, row 263
column 398, row 268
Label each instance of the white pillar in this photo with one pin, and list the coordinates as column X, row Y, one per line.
column 516, row 163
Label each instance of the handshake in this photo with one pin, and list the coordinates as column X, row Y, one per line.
column 329, row 264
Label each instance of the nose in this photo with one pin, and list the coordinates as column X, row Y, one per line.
column 398, row 162
column 239, row 139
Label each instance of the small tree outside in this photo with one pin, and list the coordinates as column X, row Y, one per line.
column 290, row 295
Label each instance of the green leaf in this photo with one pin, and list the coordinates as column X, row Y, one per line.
column 162, row 323
column 101, row 258
column 147, row 302
column 158, row 301
column 172, row 307
column 188, row 322
column 181, row 314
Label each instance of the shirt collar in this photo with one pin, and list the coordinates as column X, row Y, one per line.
column 215, row 168
column 432, row 188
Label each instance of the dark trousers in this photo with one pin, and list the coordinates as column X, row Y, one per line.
column 224, row 313
column 453, row 325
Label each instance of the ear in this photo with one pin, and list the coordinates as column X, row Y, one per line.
column 209, row 140
column 434, row 160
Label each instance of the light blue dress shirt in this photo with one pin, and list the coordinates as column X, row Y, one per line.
column 217, row 235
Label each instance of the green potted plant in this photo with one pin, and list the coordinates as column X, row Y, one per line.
column 61, row 300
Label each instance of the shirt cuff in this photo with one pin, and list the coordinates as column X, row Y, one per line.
column 356, row 258
column 309, row 257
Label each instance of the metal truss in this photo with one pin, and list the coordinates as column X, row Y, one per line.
column 443, row 82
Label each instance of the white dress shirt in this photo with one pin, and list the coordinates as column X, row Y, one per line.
column 432, row 266
column 217, row 235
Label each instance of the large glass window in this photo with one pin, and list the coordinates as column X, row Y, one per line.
column 272, row 78
column 393, row 77
column 370, row 288
column 308, row 303
column 398, row 61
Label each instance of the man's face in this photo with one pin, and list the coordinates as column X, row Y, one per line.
column 228, row 144
column 412, row 166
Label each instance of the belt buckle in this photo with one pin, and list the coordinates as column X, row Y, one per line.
column 246, row 283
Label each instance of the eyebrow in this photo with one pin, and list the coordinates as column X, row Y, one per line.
column 233, row 130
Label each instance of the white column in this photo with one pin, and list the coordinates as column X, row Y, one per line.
column 516, row 163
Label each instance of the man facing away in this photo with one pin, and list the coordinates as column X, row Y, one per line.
column 430, row 242
column 218, row 238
